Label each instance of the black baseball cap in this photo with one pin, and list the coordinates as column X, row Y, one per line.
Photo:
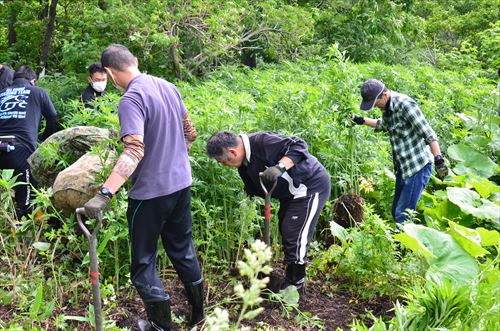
column 370, row 91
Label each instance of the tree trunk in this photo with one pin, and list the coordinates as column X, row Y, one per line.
column 176, row 61
column 45, row 9
column 249, row 58
column 44, row 54
column 102, row 4
column 11, row 35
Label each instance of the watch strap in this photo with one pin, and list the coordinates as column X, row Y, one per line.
column 105, row 191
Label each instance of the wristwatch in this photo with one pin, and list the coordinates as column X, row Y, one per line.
column 104, row 191
column 281, row 166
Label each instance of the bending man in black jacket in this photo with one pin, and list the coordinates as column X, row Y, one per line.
column 22, row 106
column 303, row 186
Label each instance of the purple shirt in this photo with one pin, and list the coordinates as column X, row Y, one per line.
column 153, row 108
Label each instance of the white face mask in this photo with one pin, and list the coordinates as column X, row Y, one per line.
column 118, row 87
column 99, row 86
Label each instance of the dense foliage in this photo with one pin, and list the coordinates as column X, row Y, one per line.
column 311, row 57
column 184, row 38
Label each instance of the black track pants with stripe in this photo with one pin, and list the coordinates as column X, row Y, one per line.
column 298, row 219
column 169, row 218
column 18, row 160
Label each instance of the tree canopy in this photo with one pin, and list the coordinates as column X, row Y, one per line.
column 184, row 39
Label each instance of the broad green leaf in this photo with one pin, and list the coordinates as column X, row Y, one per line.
column 413, row 244
column 446, row 258
column 41, row 246
column 482, row 185
column 480, row 141
column 471, row 203
column 339, row 232
column 489, row 237
column 440, row 210
column 469, row 239
column 471, row 161
column 290, row 295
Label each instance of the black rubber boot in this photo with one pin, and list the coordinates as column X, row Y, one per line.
column 295, row 275
column 195, row 298
column 159, row 315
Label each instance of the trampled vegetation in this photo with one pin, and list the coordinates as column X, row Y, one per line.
column 440, row 272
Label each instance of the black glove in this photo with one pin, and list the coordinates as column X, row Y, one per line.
column 358, row 120
column 95, row 206
column 271, row 174
column 441, row 168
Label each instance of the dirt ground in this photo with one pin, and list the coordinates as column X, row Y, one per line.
column 334, row 306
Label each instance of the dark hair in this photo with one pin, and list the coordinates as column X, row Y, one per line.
column 498, row 71
column 25, row 72
column 117, row 57
column 381, row 95
column 96, row 67
column 219, row 142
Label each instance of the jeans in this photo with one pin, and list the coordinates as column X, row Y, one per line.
column 408, row 191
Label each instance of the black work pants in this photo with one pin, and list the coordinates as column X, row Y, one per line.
column 169, row 218
column 298, row 219
column 18, row 161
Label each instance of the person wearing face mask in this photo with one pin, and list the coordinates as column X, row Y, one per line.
column 22, row 106
column 97, row 85
column 154, row 127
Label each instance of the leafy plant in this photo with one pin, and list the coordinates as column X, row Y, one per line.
column 471, row 161
column 460, row 292
column 471, row 203
column 446, row 258
column 255, row 262
column 368, row 257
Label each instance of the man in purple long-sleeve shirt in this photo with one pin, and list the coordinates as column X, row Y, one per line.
column 157, row 132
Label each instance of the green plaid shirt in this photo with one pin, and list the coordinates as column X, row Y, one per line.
column 409, row 132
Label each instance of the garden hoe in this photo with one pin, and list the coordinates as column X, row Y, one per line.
column 94, row 272
column 267, row 218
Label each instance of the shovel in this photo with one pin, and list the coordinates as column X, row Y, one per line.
column 94, row 273
column 267, row 217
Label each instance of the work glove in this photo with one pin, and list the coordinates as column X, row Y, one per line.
column 358, row 120
column 271, row 175
column 95, row 206
column 441, row 168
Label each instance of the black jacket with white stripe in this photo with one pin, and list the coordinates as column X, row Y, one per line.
column 265, row 149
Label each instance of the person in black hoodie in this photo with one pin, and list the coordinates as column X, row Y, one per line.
column 97, row 85
column 6, row 76
column 303, row 186
column 22, row 106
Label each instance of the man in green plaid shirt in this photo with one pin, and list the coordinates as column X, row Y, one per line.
column 410, row 135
